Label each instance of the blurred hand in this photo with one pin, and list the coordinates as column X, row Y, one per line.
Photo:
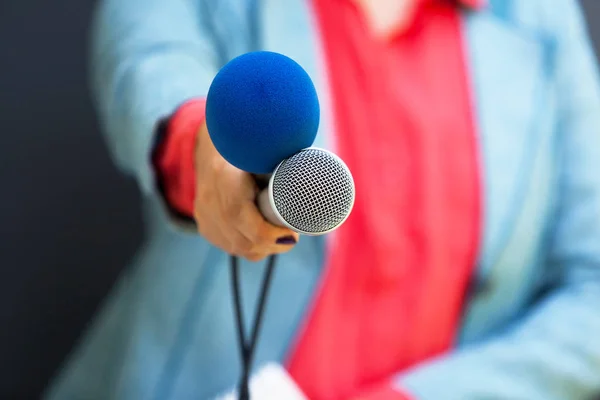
column 225, row 210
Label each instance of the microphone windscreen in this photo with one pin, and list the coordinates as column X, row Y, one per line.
column 261, row 108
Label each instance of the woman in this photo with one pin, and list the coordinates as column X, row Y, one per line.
column 470, row 266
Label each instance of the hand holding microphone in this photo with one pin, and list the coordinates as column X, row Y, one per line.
column 262, row 115
column 225, row 208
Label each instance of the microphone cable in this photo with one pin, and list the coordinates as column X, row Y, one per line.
column 248, row 347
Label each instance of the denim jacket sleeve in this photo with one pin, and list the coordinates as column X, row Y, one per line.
column 148, row 57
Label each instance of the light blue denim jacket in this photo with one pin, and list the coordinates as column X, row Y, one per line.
column 531, row 327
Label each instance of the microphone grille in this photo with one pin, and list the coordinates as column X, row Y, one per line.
column 313, row 191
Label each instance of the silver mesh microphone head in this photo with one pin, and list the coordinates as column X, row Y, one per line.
column 312, row 192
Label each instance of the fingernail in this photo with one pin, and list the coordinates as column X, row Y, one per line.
column 286, row 240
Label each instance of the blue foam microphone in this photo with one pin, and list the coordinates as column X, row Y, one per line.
column 261, row 108
column 262, row 114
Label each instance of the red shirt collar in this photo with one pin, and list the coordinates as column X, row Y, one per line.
column 473, row 4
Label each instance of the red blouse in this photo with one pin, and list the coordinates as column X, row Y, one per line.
column 397, row 273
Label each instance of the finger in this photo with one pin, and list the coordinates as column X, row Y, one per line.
column 215, row 228
column 252, row 225
column 256, row 257
column 254, row 245
column 211, row 231
column 241, row 213
column 234, row 243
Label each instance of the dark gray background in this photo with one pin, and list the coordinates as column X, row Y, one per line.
column 68, row 221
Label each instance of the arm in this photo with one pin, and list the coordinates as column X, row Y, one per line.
column 554, row 352
column 148, row 58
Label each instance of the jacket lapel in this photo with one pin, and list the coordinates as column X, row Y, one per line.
column 512, row 92
column 508, row 85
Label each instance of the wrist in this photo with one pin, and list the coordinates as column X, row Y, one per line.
column 175, row 158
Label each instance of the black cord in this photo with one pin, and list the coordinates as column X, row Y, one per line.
column 247, row 348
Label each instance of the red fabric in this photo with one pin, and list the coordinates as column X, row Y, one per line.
column 381, row 392
column 398, row 269
column 174, row 158
column 474, row 4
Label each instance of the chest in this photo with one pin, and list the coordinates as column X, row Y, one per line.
column 513, row 106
